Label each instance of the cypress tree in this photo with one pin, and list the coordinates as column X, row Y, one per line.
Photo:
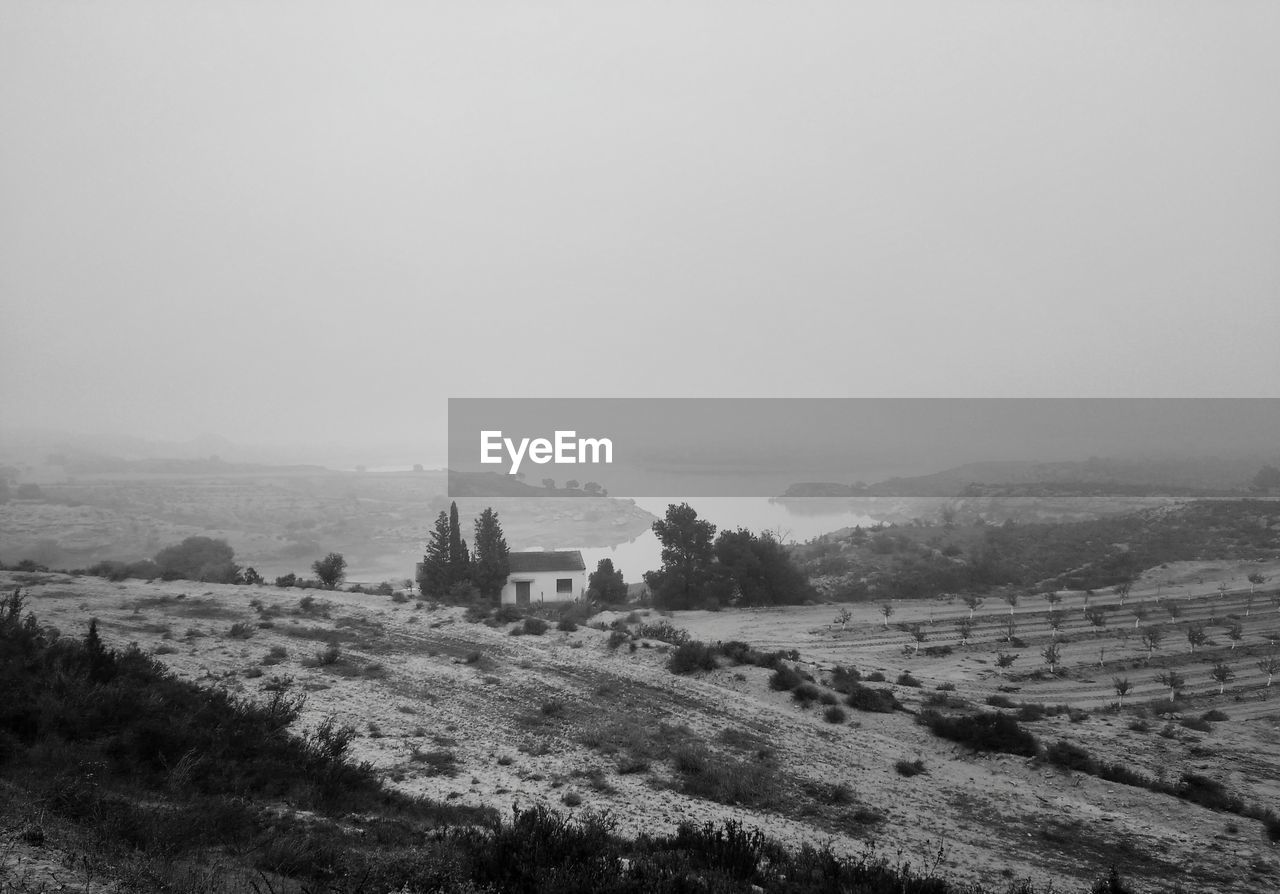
column 459, row 558
column 491, row 564
column 435, row 578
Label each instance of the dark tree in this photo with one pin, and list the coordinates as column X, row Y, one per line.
column 687, row 575
column 199, row 558
column 459, row 558
column 1267, row 479
column 606, row 583
column 491, row 565
column 759, row 569
column 330, row 570
column 434, row 579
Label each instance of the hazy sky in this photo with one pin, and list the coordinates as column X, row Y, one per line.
column 280, row 221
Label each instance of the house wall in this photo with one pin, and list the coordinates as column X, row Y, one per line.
column 542, row 586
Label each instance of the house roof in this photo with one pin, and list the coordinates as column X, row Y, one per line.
column 546, row 560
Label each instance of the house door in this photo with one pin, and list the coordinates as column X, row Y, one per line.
column 522, row 592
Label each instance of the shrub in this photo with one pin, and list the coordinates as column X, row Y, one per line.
column 1003, row 701
column 1207, row 793
column 946, row 687
column 1214, row 716
column 1199, row 724
column 868, row 698
column 506, row 614
column 663, row 631
column 330, row 655
column 535, row 626
column 240, row 630
column 875, row 677
column 785, row 678
column 1071, row 756
column 286, row 580
column 692, row 656
column 571, row 799
column 617, row 638
column 843, row 679
column 905, row 679
column 834, row 714
column 806, row 693
column 567, row 625
column 910, row 768
column 983, row 732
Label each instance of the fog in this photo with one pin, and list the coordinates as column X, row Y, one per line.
column 305, row 224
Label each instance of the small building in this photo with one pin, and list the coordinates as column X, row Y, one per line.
column 545, row 576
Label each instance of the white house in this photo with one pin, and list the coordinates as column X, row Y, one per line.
column 546, row 576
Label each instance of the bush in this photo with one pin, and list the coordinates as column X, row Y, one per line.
column 663, row 631
column 910, row 768
column 1003, row 701
column 617, row 638
column 875, row 677
column 834, row 714
column 692, row 656
column 506, row 614
column 785, row 678
column 905, row 679
column 843, row 679
column 983, row 732
column 870, row 699
column 287, row 580
column 566, row 625
column 1071, row 756
column 535, row 626
column 1199, row 724
column 806, row 693
column 1214, row 716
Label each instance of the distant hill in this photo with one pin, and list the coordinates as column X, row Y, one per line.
column 1153, row 476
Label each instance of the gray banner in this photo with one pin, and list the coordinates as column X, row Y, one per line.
column 824, row 447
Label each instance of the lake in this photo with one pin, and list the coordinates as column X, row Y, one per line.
column 644, row 553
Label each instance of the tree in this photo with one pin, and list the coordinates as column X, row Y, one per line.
column 1223, row 674
column 1151, row 638
column 1051, row 655
column 759, row 569
column 549, row 483
column 1055, row 624
column 1122, row 590
column 330, row 570
column 1255, row 580
column 435, row 578
column 1236, row 633
column 1139, row 614
column 687, row 575
column 1173, row 680
column 592, row 488
column 1122, row 687
column 843, row 617
column 1097, row 616
column 918, row 633
column 1006, row 659
column 571, row 484
column 886, row 609
column 1011, row 598
column 251, row 576
column 606, row 583
column 965, row 626
column 973, row 602
column 459, row 558
column 1196, row 636
column 199, row 558
column 1269, row 666
column 1267, row 479
column 491, row 564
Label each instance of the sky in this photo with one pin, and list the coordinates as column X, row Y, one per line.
column 281, row 222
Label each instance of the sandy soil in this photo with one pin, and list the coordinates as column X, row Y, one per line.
column 416, row 682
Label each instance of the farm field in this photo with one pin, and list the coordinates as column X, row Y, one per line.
column 586, row 720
